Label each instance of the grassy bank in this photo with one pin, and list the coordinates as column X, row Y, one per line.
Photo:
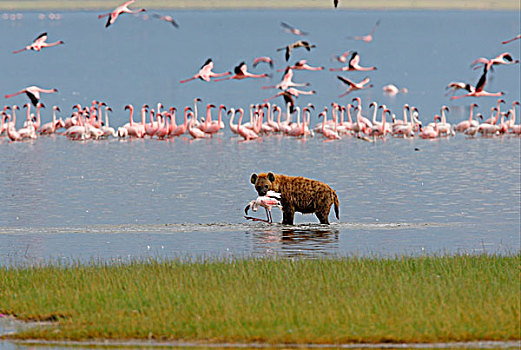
column 274, row 4
column 427, row 299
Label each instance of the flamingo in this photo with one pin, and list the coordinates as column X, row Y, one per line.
column 164, row 128
column 379, row 129
column 205, row 73
column 241, row 72
column 133, row 129
column 290, row 29
column 194, row 131
column 299, row 129
column 297, row 44
column 123, row 8
column 181, row 129
column 513, row 113
column 430, row 132
column 392, row 90
column 107, row 130
column 354, row 86
column 168, row 19
column 353, row 65
column 342, row 58
column 33, row 92
column 501, row 59
column 328, row 133
column 443, row 126
column 479, row 90
column 50, row 128
column 464, row 125
column 286, row 81
column 39, row 43
column 458, row 85
column 268, row 201
column 246, row 133
column 367, row 38
column 289, row 95
column 302, row 65
column 264, row 59
column 493, row 119
column 517, row 37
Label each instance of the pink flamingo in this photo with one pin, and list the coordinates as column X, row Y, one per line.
column 299, row 129
column 354, row 65
column 501, row 59
column 286, row 81
column 392, row 90
column 458, row 85
column 264, row 59
column 123, row 8
column 354, row 86
column 302, row 65
column 513, row 112
column 493, row 119
column 430, row 132
column 290, row 29
column 464, row 125
column 33, row 92
column 379, row 129
column 208, row 126
column 39, row 43
column 342, row 58
column 328, row 133
column 133, row 129
column 367, row 38
column 241, row 72
column 181, row 129
column 479, row 90
column 164, row 128
column 297, row 44
column 270, row 200
column 205, row 73
column 195, row 132
column 246, row 133
column 517, row 37
column 168, row 19
column 50, row 128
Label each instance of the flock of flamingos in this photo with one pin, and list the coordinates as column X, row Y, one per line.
column 337, row 120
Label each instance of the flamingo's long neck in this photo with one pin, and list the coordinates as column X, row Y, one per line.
column 107, row 125
column 348, row 110
column 28, row 116
column 375, row 111
column 241, row 112
column 405, row 114
column 131, row 115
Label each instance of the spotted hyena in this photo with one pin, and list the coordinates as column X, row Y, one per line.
column 298, row 194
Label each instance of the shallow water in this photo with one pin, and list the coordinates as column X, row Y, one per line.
column 133, row 199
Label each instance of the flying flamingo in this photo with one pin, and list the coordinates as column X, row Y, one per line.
column 290, row 29
column 458, row 85
column 289, row 96
column 367, row 38
column 264, row 59
column 39, row 43
column 501, row 59
column 342, row 58
column 302, row 65
column 291, row 47
column 286, row 81
column 168, row 19
column 517, row 37
column 33, row 92
column 479, row 90
column 205, row 73
column 353, row 65
column 354, row 86
column 241, row 72
column 123, row 8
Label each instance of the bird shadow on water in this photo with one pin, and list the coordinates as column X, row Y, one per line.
column 294, row 241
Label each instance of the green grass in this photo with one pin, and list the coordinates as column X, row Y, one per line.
column 403, row 299
column 276, row 4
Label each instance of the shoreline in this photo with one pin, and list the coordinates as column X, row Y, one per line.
column 48, row 5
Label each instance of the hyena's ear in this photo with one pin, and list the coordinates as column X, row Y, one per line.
column 271, row 177
column 253, row 178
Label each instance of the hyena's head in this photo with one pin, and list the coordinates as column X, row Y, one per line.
column 263, row 182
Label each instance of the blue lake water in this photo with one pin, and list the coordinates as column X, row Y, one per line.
column 132, row 199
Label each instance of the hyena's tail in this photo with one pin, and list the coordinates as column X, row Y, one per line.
column 335, row 198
